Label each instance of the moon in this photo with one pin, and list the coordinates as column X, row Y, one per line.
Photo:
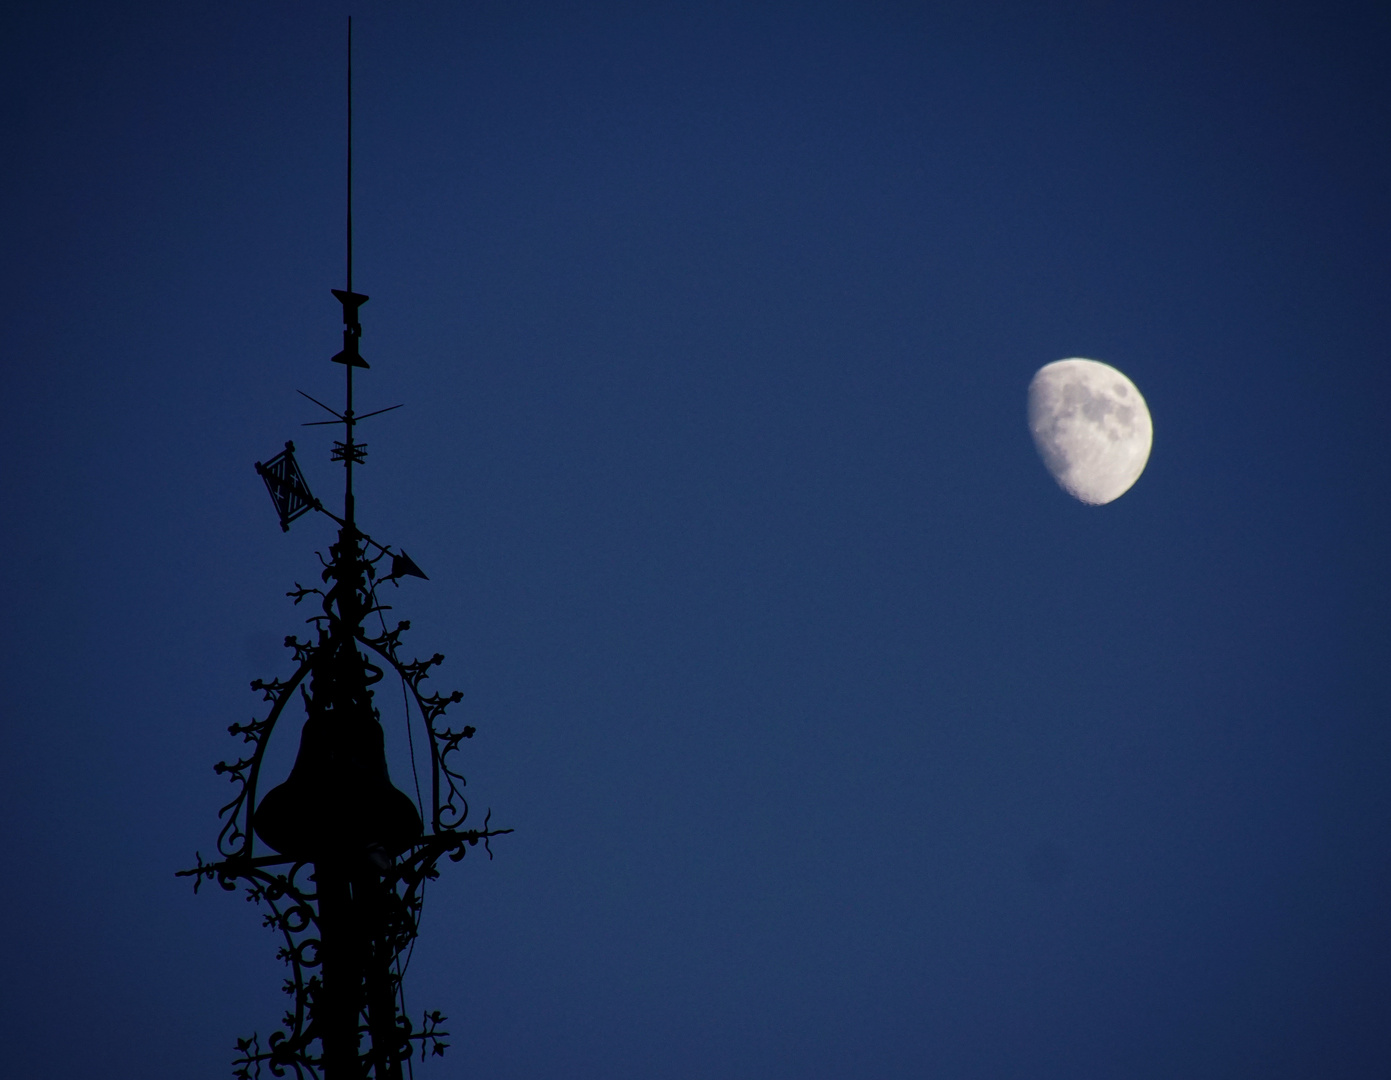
column 1091, row 426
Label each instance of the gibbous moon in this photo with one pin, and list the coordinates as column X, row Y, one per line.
column 1091, row 426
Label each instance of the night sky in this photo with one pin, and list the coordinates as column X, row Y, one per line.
column 838, row 740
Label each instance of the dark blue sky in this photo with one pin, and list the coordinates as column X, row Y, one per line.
column 838, row 741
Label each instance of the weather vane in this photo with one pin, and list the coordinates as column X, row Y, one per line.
column 337, row 854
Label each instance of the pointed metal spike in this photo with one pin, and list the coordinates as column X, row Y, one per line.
column 376, row 412
column 402, row 565
column 316, row 401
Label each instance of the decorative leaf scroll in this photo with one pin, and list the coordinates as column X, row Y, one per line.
column 450, row 808
column 286, row 888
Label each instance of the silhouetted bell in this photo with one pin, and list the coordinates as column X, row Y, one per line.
column 338, row 801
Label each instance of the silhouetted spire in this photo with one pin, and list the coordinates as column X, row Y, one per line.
column 349, row 851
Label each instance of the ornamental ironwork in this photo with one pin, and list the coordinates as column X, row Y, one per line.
column 338, row 856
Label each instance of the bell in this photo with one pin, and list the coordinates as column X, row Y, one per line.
column 338, row 801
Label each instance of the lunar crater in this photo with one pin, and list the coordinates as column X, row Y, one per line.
column 1092, row 434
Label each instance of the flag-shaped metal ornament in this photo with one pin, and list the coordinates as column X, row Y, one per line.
column 402, row 565
column 286, row 485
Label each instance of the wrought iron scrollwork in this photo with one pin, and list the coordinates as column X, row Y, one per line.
column 450, row 808
column 343, row 881
column 288, row 889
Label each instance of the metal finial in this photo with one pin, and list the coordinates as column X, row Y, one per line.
column 336, row 852
column 349, row 452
